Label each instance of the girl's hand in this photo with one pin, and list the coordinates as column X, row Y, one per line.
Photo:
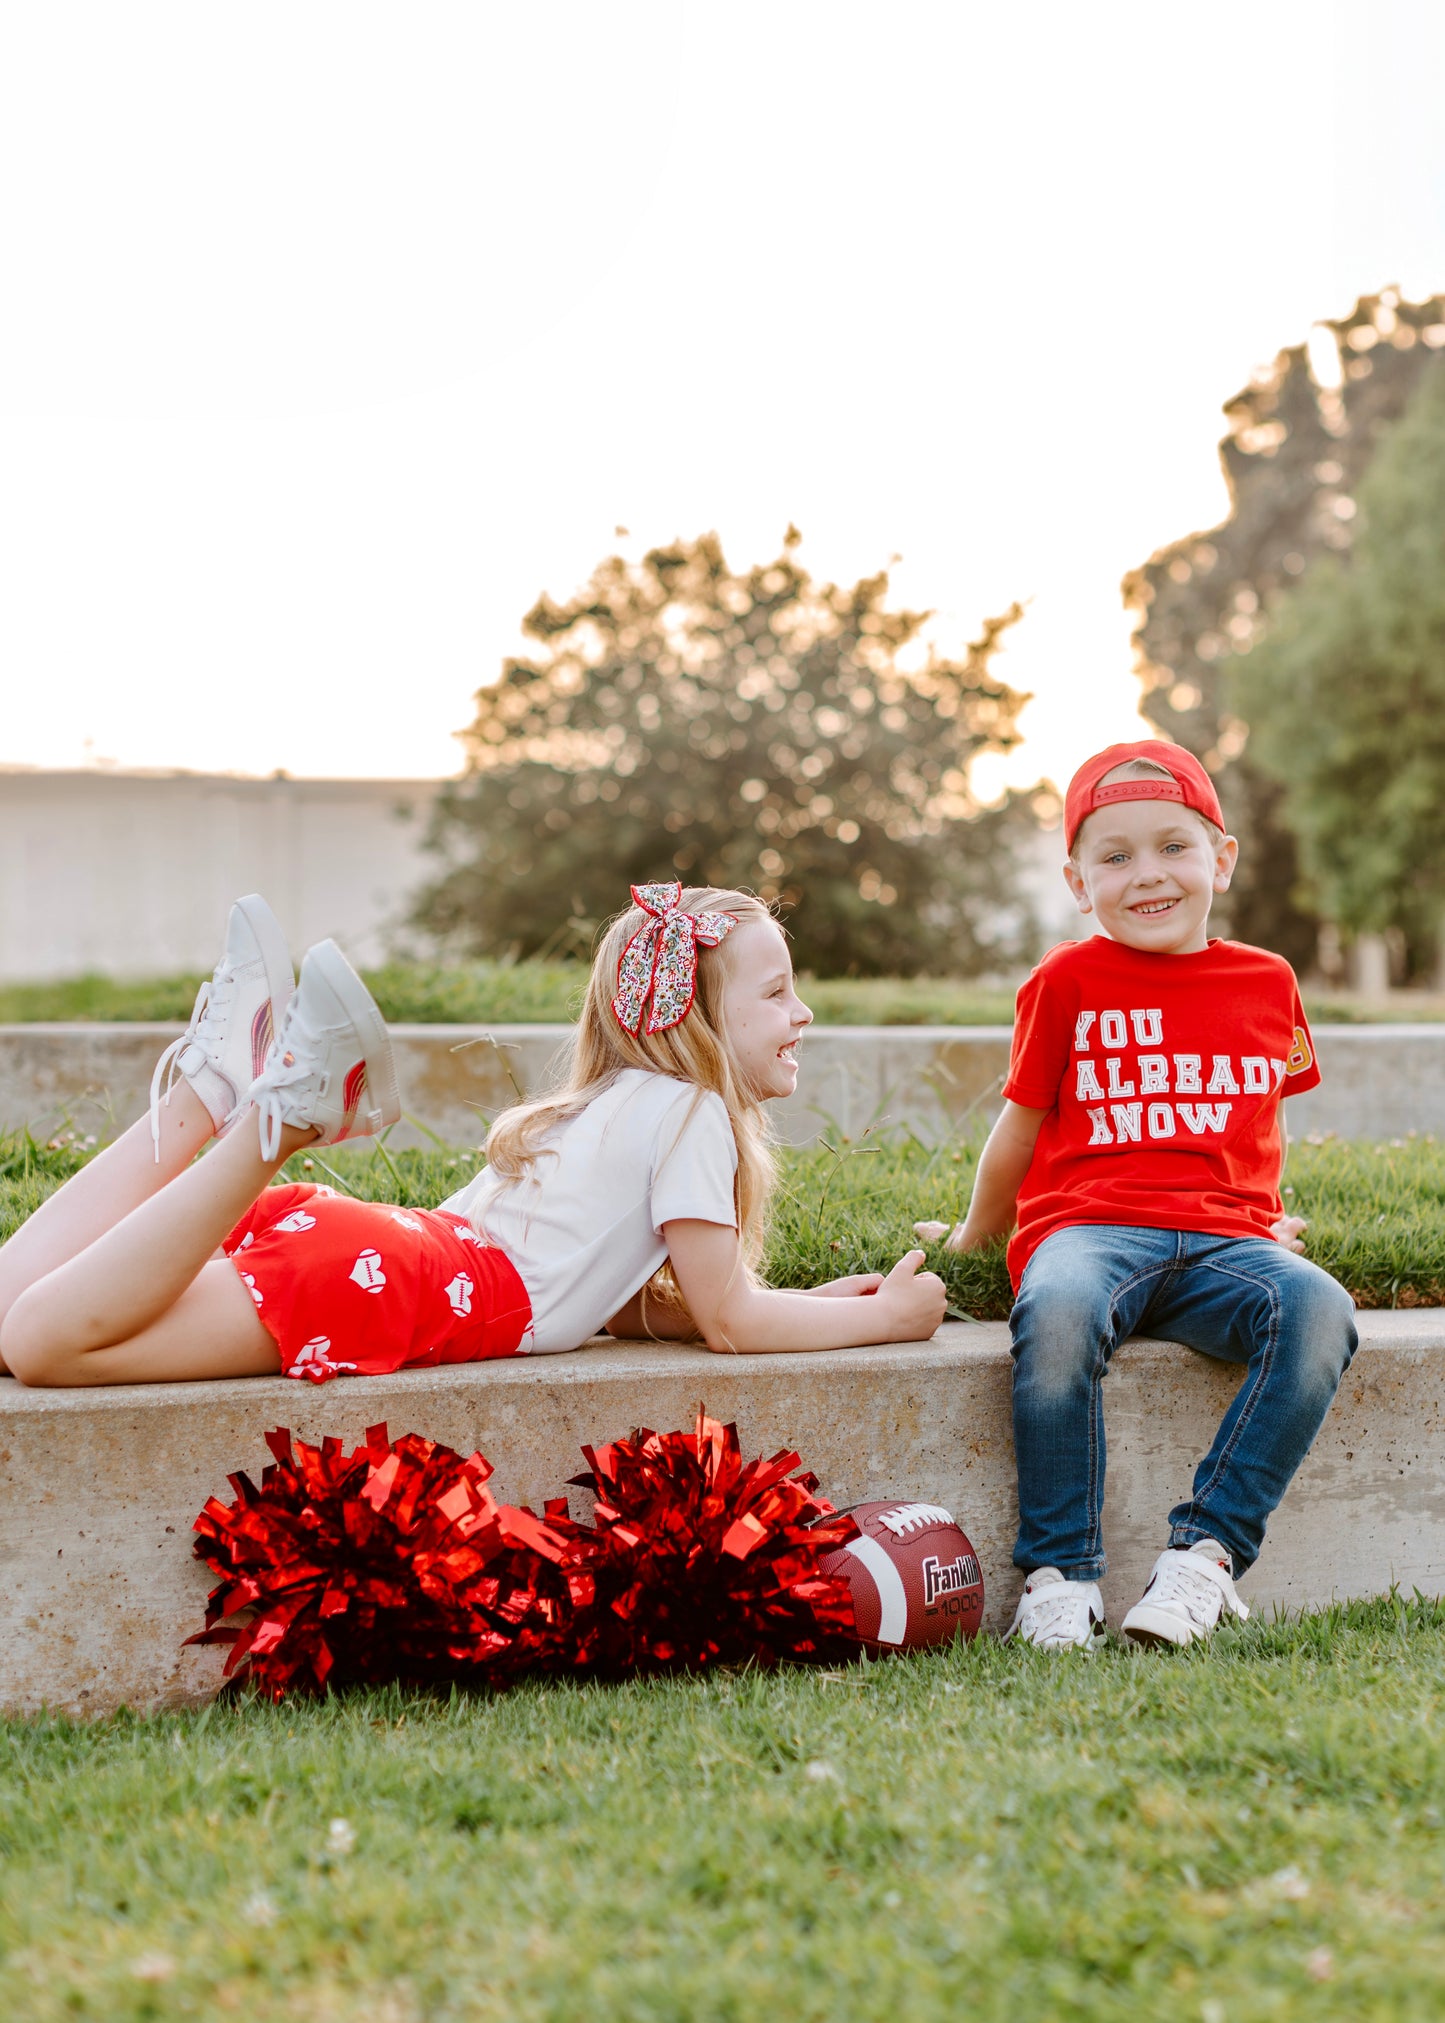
column 1288, row 1231
column 852, row 1287
column 913, row 1300
column 929, row 1232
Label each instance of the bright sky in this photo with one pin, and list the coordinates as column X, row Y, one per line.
column 333, row 334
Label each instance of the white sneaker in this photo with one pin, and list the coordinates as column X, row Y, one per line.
column 235, row 1018
column 330, row 1066
column 1187, row 1594
column 1058, row 1614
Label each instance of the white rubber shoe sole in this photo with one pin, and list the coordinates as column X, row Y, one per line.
column 275, row 959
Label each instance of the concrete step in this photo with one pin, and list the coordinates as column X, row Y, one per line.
column 1379, row 1081
column 98, row 1489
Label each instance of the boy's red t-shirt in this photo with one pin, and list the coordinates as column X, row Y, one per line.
column 1162, row 1077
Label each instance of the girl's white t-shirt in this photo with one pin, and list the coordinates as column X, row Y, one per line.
column 584, row 1229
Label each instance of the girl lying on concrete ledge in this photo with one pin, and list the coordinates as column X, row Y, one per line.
column 634, row 1197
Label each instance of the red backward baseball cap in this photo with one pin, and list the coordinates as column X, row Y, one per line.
column 1188, row 784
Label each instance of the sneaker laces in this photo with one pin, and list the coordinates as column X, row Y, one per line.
column 1198, row 1585
column 1055, row 1607
column 205, row 1031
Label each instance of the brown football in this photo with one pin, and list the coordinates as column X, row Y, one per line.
column 914, row 1576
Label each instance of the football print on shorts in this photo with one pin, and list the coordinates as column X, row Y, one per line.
column 914, row 1576
column 314, row 1360
column 367, row 1271
column 296, row 1221
column 459, row 1292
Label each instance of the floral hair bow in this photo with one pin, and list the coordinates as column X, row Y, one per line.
column 660, row 961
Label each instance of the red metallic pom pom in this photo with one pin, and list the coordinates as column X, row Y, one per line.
column 696, row 1558
column 391, row 1562
column 396, row 1562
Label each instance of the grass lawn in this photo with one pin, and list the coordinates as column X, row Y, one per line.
column 1252, row 1831
column 473, row 993
column 1376, row 1212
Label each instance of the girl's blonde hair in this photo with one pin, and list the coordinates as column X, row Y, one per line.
column 697, row 1050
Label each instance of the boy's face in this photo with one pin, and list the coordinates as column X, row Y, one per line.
column 1148, row 872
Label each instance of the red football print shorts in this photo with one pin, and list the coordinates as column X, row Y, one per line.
column 359, row 1287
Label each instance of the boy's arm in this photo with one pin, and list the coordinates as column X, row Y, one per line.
column 1001, row 1169
column 1289, row 1228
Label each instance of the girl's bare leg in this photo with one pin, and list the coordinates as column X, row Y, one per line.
column 213, row 1330
column 103, row 1193
column 124, row 1290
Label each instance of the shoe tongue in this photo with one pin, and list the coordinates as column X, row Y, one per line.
column 1044, row 1576
column 1210, row 1548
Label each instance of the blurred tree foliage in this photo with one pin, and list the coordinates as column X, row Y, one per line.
column 1345, row 695
column 1297, row 449
column 755, row 729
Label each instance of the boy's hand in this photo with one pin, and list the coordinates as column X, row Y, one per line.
column 1288, row 1231
column 914, row 1300
column 957, row 1233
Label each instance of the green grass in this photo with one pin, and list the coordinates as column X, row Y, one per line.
column 1255, row 1830
column 473, row 993
column 1249, row 1831
column 1376, row 1213
column 408, row 993
column 1376, row 1217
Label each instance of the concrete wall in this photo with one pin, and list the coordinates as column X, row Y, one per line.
column 99, row 1488
column 1379, row 1081
column 130, row 874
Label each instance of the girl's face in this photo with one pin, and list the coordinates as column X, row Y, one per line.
column 762, row 1013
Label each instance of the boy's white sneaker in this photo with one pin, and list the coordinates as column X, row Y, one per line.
column 1187, row 1594
column 235, row 1018
column 1058, row 1614
column 330, row 1067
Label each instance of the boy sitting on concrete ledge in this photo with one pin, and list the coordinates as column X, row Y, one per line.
column 1137, row 1163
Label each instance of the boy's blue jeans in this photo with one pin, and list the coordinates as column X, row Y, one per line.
column 1244, row 1300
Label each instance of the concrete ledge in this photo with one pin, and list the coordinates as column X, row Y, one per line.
column 1380, row 1081
column 98, row 1489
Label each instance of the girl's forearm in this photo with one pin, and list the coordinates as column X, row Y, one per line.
column 738, row 1317
column 757, row 1321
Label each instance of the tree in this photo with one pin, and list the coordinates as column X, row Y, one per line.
column 753, row 728
column 1293, row 460
column 1345, row 696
